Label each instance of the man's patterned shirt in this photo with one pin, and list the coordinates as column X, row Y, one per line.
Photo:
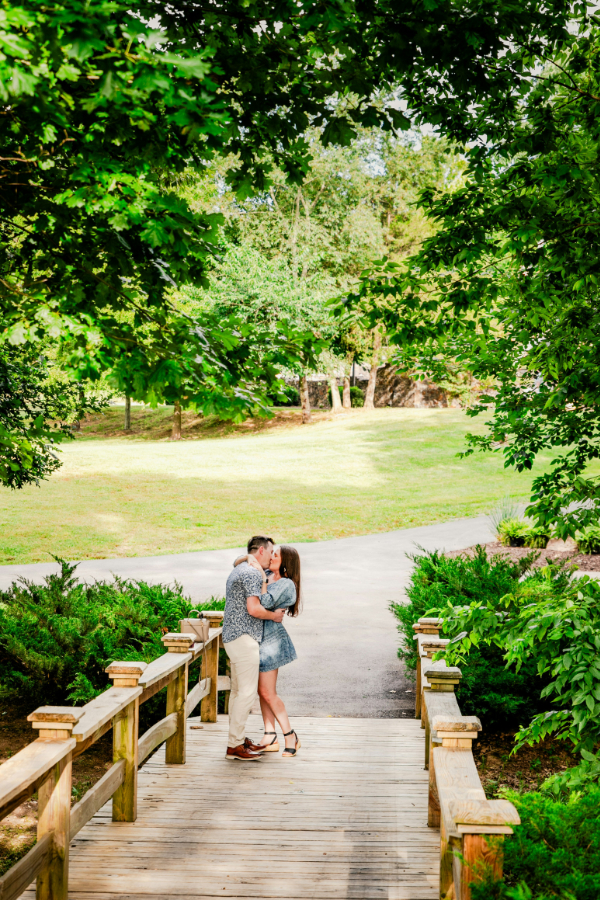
column 244, row 582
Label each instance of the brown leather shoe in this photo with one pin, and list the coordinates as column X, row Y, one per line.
column 242, row 753
column 250, row 745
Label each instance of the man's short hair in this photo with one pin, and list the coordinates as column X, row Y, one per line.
column 258, row 541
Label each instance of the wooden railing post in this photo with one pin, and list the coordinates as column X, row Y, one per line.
column 210, row 669
column 472, row 827
column 427, row 647
column 455, row 733
column 125, row 740
column 482, row 856
column 441, row 679
column 177, row 697
column 55, row 723
column 214, row 616
column 430, row 627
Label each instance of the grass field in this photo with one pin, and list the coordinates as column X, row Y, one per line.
column 356, row 474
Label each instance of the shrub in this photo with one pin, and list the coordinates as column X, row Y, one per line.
column 507, row 508
column 437, row 579
column 503, row 697
column 538, row 537
column 513, row 532
column 56, row 639
column 547, row 625
column 518, row 533
column 291, row 396
column 588, row 540
column 357, row 397
column 553, row 853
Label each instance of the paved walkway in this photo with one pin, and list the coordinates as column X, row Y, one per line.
column 346, row 637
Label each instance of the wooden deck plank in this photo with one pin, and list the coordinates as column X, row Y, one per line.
column 344, row 820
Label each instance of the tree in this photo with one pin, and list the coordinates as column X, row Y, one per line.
column 127, row 422
column 354, row 204
column 509, row 285
column 295, row 247
column 262, row 294
column 370, row 394
column 36, row 415
column 98, row 106
column 279, row 68
column 92, row 109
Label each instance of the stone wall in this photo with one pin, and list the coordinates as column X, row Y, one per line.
column 391, row 389
column 318, row 392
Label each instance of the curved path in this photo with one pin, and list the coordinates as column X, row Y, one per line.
column 346, row 636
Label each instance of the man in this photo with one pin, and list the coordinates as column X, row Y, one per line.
column 242, row 633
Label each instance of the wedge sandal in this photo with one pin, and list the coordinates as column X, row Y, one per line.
column 273, row 747
column 289, row 752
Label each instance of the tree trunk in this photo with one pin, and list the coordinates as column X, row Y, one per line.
column 127, row 413
column 76, row 426
column 336, row 403
column 347, row 404
column 305, row 400
column 294, row 239
column 370, row 395
column 176, row 429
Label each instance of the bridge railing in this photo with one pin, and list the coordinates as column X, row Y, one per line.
column 472, row 828
column 64, row 733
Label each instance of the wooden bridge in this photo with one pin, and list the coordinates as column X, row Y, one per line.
column 370, row 808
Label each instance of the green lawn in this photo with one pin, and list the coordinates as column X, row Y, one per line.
column 360, row 473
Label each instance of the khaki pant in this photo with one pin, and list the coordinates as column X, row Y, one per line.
column 244, row 656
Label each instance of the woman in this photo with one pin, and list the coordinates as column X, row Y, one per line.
column 280, row 590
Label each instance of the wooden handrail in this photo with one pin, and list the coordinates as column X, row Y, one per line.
column 156, row 735
column 22, row 774
column 19, row 877
column 66, row 732
column 96, row 797
column 472, row 828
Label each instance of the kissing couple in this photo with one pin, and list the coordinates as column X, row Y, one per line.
column 263, row 586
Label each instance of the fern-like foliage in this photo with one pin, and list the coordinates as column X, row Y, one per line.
column 57, row 638
column 502, row 697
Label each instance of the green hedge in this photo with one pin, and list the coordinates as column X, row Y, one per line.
column 554, row 853
column 57, row 638
column 503, row 698
column 542, row 621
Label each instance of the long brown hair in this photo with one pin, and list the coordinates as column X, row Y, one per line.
column 290, row 568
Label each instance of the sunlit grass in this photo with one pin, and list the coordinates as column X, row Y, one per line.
column 357, row 474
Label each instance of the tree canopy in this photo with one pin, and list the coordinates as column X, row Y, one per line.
column 509, row 284
column 100, row 108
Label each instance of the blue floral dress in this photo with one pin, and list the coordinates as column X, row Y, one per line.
column 276, row 648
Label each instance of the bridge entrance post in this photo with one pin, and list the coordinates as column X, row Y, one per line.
column 125, row 739
column 55, row 724
column 210, row 669
column 177, row 691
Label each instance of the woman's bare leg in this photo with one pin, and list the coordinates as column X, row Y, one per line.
column 268, row 719
column 267, row 692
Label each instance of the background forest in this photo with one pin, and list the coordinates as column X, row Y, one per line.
column 286, row 255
